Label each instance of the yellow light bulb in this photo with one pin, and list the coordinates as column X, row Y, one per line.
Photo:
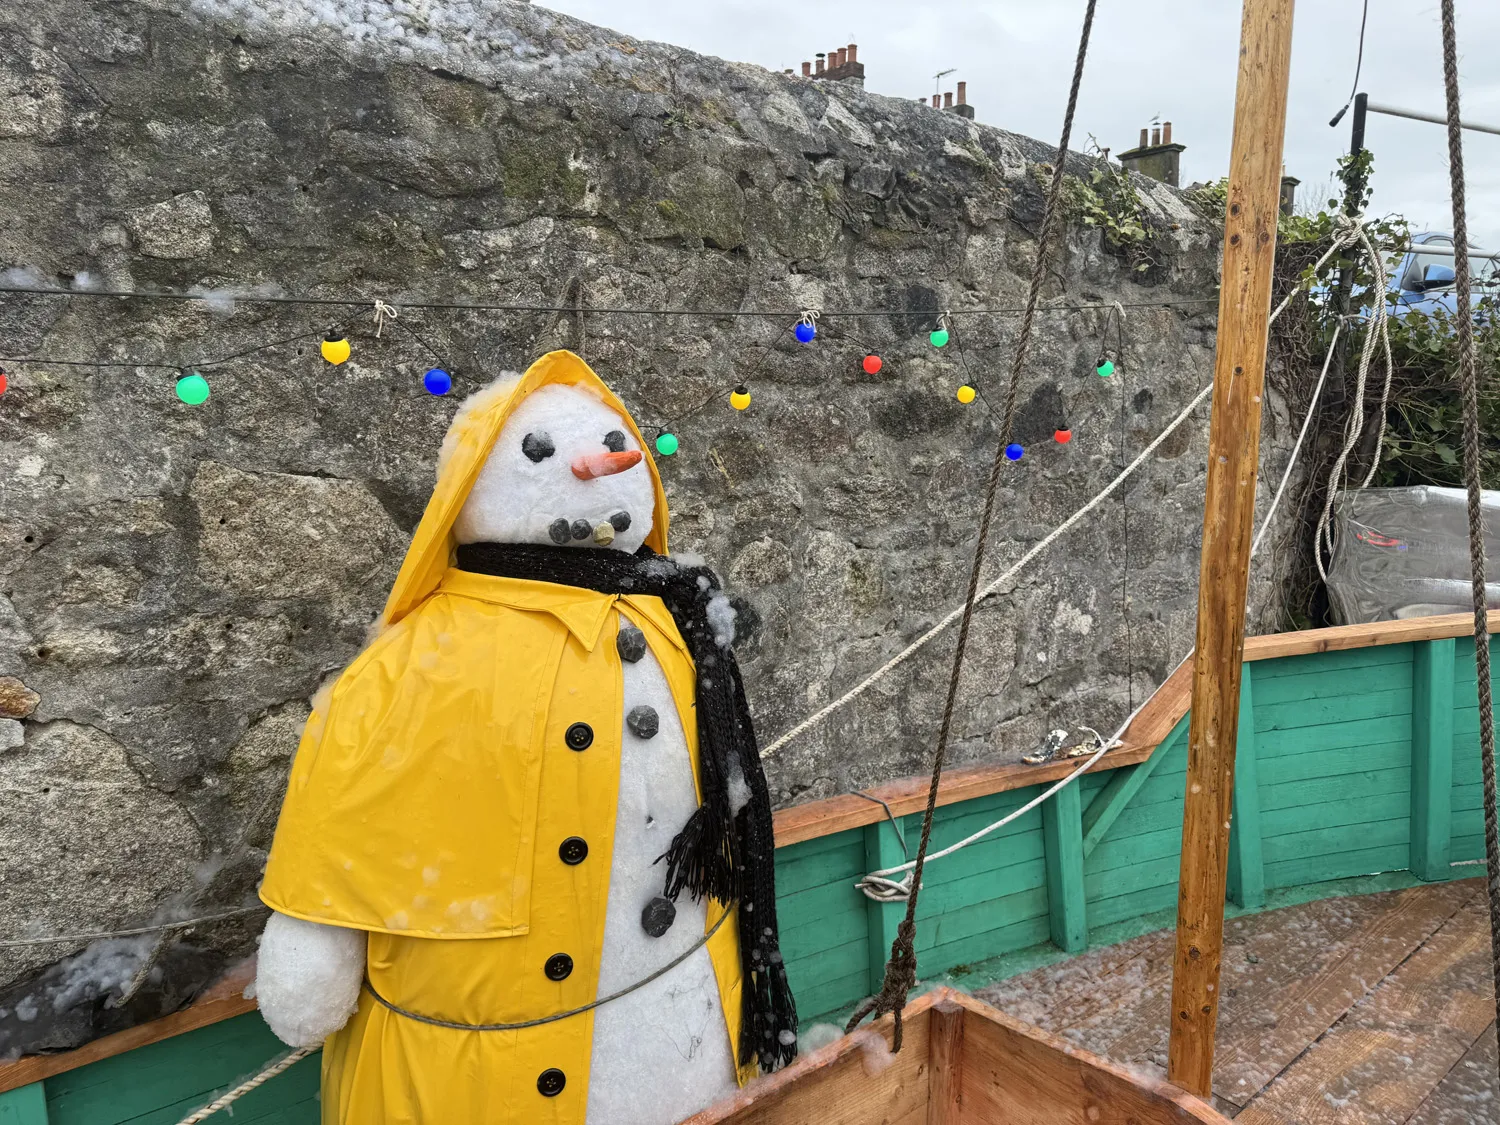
column 335, row 349
column 740, row 397
column 966, row 394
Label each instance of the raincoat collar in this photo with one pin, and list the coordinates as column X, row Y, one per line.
column 582, row 611
column 466, row 448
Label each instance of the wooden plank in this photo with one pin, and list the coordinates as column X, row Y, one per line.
column 945, row 1035
column 1469, row 1084
column 1228, row 517
column 1306, row 977
column 221, row 1002
column 882, row 849
column 1018, row 1074
column 1382, row 1060
column 854, row 1080
column 1341, row 637
column 1122, row 788
column 25, row 1105
column 1246, row 883
column 1432, row 758
column 1062, row 833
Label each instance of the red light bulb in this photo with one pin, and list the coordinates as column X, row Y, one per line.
column 873, row 364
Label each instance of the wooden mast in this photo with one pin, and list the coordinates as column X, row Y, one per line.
column 1228, row 514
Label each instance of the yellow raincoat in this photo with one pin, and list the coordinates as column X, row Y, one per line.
column 435, row 803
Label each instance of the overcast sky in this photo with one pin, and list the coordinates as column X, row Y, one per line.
column 1172, row 59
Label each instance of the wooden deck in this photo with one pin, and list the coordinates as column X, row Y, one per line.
column 1372, row 1010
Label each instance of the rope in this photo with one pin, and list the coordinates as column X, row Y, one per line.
column 1379, row 328
column 64, row 939
column 1468, row 377
column 285, row 1062
column 901, row 968
column 817, row 717
column 589, row 1007
column 879, row 887
column 383, row 312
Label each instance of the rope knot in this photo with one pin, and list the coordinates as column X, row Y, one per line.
column 383, row 312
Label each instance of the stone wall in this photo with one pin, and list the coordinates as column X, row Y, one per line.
column 178, row 581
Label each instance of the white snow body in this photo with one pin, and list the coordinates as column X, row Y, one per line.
column 662, row 1052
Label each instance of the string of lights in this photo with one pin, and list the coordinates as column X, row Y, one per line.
column 193, row 389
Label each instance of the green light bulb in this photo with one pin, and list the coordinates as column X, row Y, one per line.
column 666, row 444
column 193, row 389
column 939, row 337
column 1106, row 368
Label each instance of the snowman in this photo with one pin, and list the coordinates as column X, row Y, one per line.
column 524, row 867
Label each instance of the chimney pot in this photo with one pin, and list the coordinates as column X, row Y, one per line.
column 1143, row 138
column 963, row 93
column 937, row 101
column 807, row 70
column 820, row 64
column 948, row 100
column 1166, row 132
column 1155, row 137
column 843, row 55
column 853, row 52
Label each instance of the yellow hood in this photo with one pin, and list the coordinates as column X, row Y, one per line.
column 466, row 448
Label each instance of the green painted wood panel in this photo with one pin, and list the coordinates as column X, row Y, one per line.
column 1062, row 835
column 1432, row 758
column 160, row 1083
column 883, row 849
column 1246, row 883
column 26, row 1106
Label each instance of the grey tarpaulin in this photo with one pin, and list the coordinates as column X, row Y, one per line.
column 1404, row 552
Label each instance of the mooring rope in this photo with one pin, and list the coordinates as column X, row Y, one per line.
column 1469, row 381
column 285, row 1062
column 901, row 968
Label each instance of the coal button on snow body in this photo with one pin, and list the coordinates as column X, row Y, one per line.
column 579, row 736
column 658, row 916
column 551, row 1082
column 559, row 966
column 582, row 529
column 631, row 642
column 620, row 521
column 573, row 851
column 614, row 441
column 559, row 532
column 643, row 722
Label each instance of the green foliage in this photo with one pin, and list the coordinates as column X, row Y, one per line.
column 1210, row 200
column 1108, row 199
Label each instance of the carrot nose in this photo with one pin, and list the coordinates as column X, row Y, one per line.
column 605, row 464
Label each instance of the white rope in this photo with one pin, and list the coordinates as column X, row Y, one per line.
column 878, row 885
column 249, row 1084
column 1291, row 463
column 383, row 312
column 63, row 939
column 1378, row 329
column 905, row 654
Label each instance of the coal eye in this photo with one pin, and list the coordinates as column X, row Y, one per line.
column 538, row 447
column 614, row 441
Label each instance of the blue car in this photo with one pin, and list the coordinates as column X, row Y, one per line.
column 1421, row 281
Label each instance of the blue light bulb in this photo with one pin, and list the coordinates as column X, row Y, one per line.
column 1014, row 451
column 806, row 332
column 437, row 381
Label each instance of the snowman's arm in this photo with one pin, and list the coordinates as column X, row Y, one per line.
column 307, row 978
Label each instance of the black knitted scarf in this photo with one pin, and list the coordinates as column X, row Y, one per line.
column 725, row 852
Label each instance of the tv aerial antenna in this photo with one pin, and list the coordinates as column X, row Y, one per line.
column 939, row 76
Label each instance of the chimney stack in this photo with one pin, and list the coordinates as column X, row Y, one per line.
column 838, row 65
column 1159, row 158
column 1288, row 194
column 962, row 107
column 807, row 70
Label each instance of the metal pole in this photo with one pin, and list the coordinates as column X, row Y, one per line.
column 1435, row 119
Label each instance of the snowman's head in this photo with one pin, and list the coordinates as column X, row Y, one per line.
column 565, row 470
